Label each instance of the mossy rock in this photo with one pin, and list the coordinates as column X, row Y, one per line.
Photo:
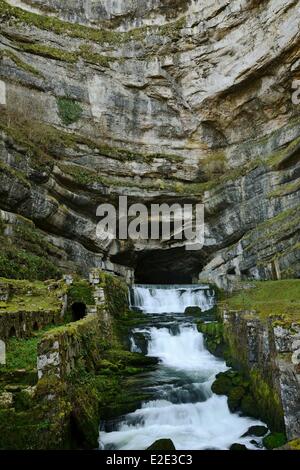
column 127, row 358
column 237, row 446
column 274, row 440
column 294, row 444
column 162, row 444
column 222, row 385
column 213, row 333
column 104, row 364
column 235, row 397
column 249, row 406
column 258, row 431
column 193, row 311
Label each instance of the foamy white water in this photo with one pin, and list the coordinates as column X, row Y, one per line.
column 173, row 300
column 192, row 416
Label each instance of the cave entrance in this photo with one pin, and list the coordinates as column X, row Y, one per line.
column 173, row 266
column 78, row 311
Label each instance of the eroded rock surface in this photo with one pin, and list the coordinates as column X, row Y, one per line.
column 162, row 101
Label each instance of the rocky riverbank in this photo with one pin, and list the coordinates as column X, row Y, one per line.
column 258, row 332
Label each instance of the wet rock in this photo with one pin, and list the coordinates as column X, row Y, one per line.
column 237, row 446
column 162, row 444
column 193, row 311
column 258, row 431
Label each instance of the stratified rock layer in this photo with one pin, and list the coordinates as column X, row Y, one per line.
column 162, row 101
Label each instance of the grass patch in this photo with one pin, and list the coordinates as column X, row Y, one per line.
column 22, row 353
column 269, row 298
column 31, row 296
column 22, row 264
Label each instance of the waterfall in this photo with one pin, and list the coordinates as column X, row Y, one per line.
column 175, row 299
column 183, row 407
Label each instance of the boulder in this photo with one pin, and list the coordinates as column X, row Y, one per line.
column 162, row 444
column 237, row 446
column 258, row 431
column 193, row 311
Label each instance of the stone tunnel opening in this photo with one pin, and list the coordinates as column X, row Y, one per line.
column 12, row 332
column 78, row 311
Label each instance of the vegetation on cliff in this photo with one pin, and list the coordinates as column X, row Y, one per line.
column 270, row 299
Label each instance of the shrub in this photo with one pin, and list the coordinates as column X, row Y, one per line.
column 69, row 110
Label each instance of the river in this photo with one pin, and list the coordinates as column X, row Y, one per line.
column 183, row 407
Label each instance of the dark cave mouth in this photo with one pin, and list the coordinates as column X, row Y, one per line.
column 78, row 311
column 170, row 266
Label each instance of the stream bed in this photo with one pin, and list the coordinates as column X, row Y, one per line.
column 183, row 407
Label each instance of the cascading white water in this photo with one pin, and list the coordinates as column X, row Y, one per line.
column 185, row 410
column 156, row 299
column 183, row 351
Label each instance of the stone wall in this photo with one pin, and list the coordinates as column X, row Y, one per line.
column 27, row 307
column 63, row 349
column 270, row 355
column 60, row 350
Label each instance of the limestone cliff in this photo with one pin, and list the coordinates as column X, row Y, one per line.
column 159, row 100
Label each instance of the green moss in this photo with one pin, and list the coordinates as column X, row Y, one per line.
column 213, row 333
column 70, row 419
column 48, row 52
column 69, row 110
column 235, row 397
column 19, row 62
column 86, row 52
column 81, row 291
column 21, row 353
column 21, row 264
column 85, row 176
column 25, row 254
column 7, row 170
column 222, row 384
column 270, row 232
column 268, row 402
column 283, row 156
column 45, row 425
column 285, row 189
column 241, row 394
column 83, row 394
column 76, row 30
column 274, row 440
column 116, row 294
column 294, row 444
column 249, row 406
